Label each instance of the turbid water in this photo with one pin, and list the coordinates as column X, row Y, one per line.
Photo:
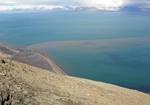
column 103, row 46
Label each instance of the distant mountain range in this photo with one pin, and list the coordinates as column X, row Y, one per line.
column 4, row 8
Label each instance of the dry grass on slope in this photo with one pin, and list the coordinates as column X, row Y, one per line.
column 21, row 84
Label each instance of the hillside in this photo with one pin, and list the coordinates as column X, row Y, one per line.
column 21, row 84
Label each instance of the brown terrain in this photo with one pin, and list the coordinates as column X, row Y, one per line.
column 23, row 84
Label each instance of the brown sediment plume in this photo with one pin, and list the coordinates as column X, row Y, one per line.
column 108, row 43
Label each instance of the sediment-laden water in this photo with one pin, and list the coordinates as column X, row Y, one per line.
column 103, row 46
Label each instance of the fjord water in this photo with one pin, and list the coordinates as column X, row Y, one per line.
column 30, row 28
column 121, row 54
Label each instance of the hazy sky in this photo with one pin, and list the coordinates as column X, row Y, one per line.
column 50, row 4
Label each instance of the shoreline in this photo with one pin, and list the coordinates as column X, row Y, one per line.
column 40, row 87
column 57, row 69
column 13, row 54
column 53, row 66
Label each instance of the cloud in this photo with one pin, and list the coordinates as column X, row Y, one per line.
column 108, row 5
column 104, row 4
column 145, row 4
column 7, row 1
column 30, row 7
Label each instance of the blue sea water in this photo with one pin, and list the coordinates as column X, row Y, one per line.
column 126, row 64
column 30, row 28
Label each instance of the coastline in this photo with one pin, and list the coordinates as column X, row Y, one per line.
column 42, row 58
column 31, row 85
column 14, row 55
column 54, row 66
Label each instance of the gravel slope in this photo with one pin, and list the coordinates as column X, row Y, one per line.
column 21, row 84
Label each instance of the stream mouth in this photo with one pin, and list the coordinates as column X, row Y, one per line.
column 120, row 61
column 112, row 47
column 31, row 57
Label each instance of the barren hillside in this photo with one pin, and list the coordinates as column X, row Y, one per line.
column 21, row 84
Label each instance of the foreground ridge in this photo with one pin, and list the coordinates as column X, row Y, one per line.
column 21, row 84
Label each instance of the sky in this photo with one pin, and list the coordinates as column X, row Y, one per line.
column 108, row 5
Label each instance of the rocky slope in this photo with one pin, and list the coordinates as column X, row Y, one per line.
column 21, row 84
